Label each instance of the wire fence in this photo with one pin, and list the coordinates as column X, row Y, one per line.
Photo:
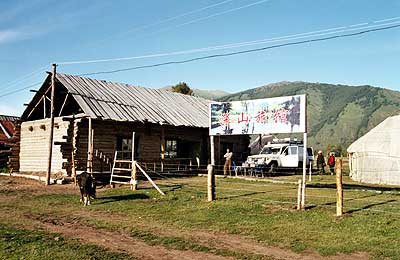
column 323, row 196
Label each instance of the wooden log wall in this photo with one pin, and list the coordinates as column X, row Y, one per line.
column 69, row 132
column 13, row 160
column 4, row 154
column 34, row 145
column 149, row 135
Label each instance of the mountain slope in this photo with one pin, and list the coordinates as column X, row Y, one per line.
column 337, row 114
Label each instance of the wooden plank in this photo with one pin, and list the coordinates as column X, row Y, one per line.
column 122, row 169
column 122, row 176
column 150, row 180
column 62, row 107
column 120, row 182
column 123, row 161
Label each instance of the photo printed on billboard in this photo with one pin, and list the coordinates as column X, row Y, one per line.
column 260, row 116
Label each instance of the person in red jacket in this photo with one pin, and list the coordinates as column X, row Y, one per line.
column 331, row 163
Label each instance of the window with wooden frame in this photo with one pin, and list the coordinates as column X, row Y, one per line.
column 124, row 145
column 171, row 148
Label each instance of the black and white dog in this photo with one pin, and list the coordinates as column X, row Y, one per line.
column 87, row 187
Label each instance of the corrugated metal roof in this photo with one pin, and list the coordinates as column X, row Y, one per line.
column 7, row 129
column 123, row 102
column 9, row 118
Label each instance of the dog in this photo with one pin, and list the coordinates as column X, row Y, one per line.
column 87, row 187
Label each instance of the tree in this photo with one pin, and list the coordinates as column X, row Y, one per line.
column 182, row 88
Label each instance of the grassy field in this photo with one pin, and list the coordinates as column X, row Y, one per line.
column 249, row 220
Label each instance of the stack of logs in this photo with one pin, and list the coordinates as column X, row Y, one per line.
column 13, row 159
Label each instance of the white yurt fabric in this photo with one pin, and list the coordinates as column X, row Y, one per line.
column 375, row 157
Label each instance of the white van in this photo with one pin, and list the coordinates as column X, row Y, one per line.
column 281, row 153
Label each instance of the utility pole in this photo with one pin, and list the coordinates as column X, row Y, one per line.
column 53, row 81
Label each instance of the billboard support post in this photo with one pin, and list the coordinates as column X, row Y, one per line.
column 212, row 150
column 210, row 172
column 305, row 156
column 303, row 188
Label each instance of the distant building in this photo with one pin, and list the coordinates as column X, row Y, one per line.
column 7, row 132
column 7, row 128
column 169, row 127
column 375, row 157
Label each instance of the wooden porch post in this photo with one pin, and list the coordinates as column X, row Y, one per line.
column 162, row 148
column 74, row 133
column 89, row 165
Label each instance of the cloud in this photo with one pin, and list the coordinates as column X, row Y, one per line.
column 10, row 110
column 22, row 33
column 9, row 35
column 16, row 9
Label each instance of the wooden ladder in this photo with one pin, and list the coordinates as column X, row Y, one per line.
column 121, row 172
column 125, row 175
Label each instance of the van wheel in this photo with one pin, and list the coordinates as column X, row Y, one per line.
column 272, row 168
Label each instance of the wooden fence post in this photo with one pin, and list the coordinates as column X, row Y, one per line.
column 299, row 195
column 134, row 176
column 211, row 183
column 339, row 188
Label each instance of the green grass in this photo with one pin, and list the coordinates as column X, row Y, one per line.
column 27, row 244
column 257, row 210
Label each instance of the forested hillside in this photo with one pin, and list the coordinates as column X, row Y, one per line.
column 337, row 114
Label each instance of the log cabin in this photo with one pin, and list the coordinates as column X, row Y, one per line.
column 95, row 118
column 7, row 132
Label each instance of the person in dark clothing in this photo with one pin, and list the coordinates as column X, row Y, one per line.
column 320, row 163
column 331, row 163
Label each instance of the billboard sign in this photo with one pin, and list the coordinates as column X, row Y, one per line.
column 260, row 116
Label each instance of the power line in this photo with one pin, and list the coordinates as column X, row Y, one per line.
column 166, row 20
column 221, row 55
column 242, row 44
column 7, row 85
column 208, row 17
column 241, row 52
column 21, row 89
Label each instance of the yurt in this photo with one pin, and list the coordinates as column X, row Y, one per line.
column 375, row 157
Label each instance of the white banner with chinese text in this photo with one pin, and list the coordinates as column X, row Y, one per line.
column 259, row 116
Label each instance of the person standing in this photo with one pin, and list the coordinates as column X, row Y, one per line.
column 320, row 162
column 228, row 162
column 331, row 163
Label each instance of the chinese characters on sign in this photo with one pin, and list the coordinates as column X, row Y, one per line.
column 260, row 116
